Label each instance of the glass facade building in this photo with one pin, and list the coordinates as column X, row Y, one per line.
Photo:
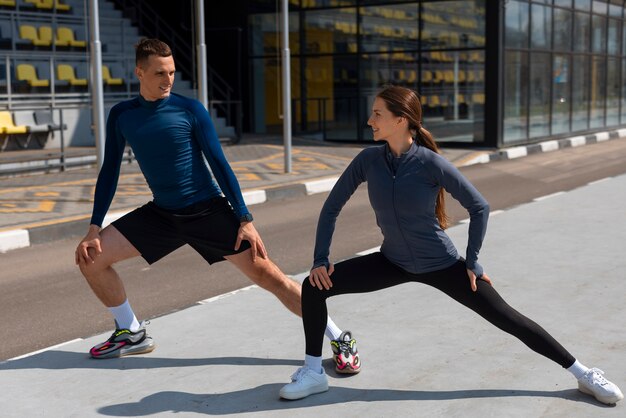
column 489, row 73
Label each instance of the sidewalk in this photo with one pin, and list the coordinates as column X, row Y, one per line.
column 46, row 207
column 423, row 355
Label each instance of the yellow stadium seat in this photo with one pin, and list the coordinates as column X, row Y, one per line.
column 110, row 81
column 28, row 73
column 50, row 4
column 65, row 72
column 65, row 36
column 29, row 33
column 8, row 127
column 478, row 98
column 10, row 3
column 427, row 76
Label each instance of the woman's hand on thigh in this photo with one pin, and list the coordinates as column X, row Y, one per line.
column 472, row 278
column 320, row 277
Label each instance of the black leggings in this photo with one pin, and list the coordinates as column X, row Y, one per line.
column 374, row 272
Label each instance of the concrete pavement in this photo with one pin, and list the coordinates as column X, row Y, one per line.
column 558, row 260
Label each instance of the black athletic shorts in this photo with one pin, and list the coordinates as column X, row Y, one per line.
column 209, row 227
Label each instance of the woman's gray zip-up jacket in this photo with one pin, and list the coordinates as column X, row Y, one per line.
column 404, row 205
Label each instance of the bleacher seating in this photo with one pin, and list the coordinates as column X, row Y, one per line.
column 7, row 3
column 28, row 73
column 65, row 37
column 29, row 34
column 49, row 5
column 67, row 73
column 108, row 79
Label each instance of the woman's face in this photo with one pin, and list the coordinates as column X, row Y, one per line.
column 384, row 123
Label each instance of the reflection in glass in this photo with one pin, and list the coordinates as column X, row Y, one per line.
column 598, row 33
column 624, row 90
column 541, row 26
column 539, row 95
column 515, row 96
column 516, row 21
column 453, row 24
column 389, row 28
column 560, row 94
column 582, row 31
column 580, row 92
column 265, row 35
column 453, row 95
column 598, row 92
column 330, row 31
column 613, row 37
column 613, row 92
column 562, row 30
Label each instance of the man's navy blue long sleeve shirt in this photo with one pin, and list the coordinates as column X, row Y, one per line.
column 168, row 138
column 404, row 204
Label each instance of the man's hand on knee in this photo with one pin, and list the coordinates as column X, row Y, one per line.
column 89, row 248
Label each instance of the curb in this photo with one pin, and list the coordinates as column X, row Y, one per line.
column 22, row 238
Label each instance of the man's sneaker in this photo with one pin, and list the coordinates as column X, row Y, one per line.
column 593, row 383
column 304, row 382
column 345, row 354
column 124, row 342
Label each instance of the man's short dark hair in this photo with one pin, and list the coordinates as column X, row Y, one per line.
column 146, row 47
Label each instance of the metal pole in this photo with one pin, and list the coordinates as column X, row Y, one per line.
column 97, row 94
column 286, row 85
column 203, row 96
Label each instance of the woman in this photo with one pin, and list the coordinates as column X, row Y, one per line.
column 406, row 179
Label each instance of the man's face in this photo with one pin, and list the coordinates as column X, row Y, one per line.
column 156, row 77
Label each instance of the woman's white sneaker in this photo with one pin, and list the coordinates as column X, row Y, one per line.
column 593, row 383
column 304, row 382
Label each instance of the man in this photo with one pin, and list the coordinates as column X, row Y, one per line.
column 169, row 134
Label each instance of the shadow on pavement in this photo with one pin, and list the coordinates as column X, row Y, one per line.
column 265, row 398
column 65, row 360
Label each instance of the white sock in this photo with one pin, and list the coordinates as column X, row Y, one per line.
column 577, row 369
column 332, row 330
column 125, row 316
column 313, row 363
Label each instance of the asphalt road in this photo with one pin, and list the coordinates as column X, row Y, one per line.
column 45, row 301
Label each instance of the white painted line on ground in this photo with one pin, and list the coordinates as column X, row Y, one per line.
column 43, row 350
column 370, row 251
column 320, row 186
column 548, row 196
column 112, row 217
column 225, row 295
column 464, row 221
column 621, row 132
column 255, row 197
column 599, row 181
column 480, row 159
column 300, row 276
column 495, row 212
column 12, row 240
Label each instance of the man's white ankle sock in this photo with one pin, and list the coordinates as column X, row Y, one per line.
column 125, row 316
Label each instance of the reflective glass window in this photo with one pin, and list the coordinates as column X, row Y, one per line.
column 539, row 118
column 389, row 28
column 516, row 21
column 598, row 33
column 563, row 3
column 598, row 92
column 453, row 95
column 331, row 30
column 560, row 94
column 599, row 7
column 581, row 81
column 615, row 27
column 582, row 4
column 623, row 84
column 582, row 32
column 613, row 92
column 540, row 27
column 265, row 34
column 453, row 24
column 515, row 96
column 562, row 30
